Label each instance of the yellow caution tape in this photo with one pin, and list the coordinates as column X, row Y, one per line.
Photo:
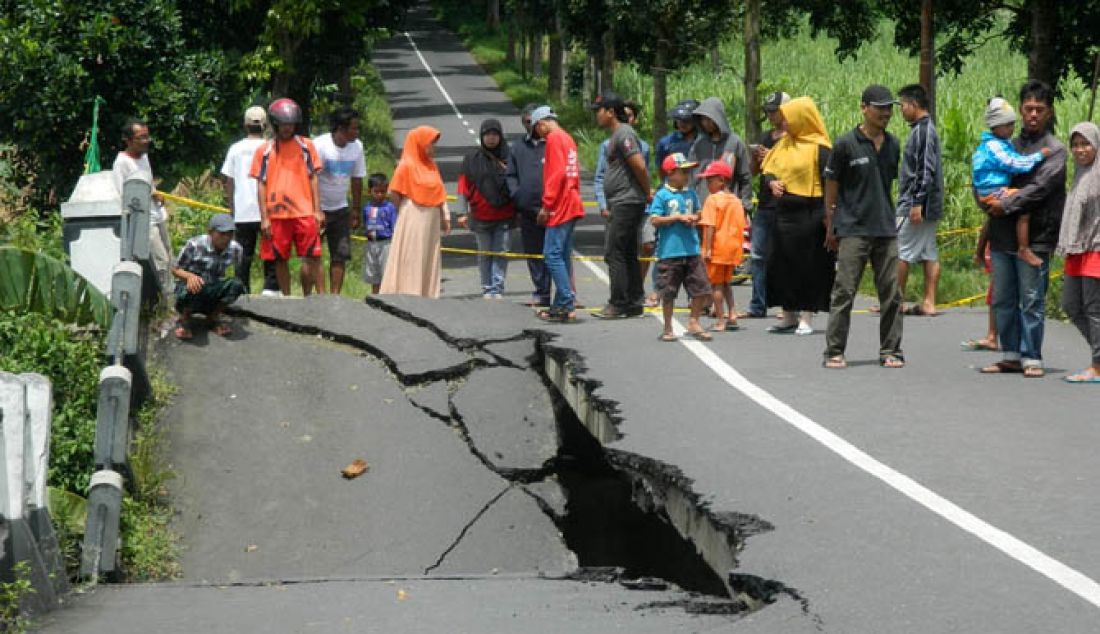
column 193, row 203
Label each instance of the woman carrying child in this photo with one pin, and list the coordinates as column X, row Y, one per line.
column 800, row 269
column 414, row 263
column 1079, row 242
column 483, row 193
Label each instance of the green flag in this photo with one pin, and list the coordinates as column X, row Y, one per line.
column 91, row 156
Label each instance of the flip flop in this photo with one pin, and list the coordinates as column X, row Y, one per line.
column 913, row 310
column 700, row 335
column 834, row 363
column 1034, row 372
column 891, row 361
column 1083, row 376
column 976, row 345
column 183, row 332
column 222, row 329
column 1003, row 367
column 667, row 337
column 782, row 329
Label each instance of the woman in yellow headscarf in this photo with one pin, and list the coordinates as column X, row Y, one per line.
column 799, row 268
column 414, row 262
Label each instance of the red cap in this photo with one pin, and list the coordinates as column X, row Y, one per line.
column 718, row 168
column 676, row 160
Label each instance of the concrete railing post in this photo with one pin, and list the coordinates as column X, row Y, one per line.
column 137, row 200
column 100, row 553
column 112, row 431
column 126, row 298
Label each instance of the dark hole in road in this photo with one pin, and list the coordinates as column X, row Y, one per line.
column 606, row 528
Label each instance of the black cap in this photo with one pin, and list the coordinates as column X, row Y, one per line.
column 876, row 95
column 774, row 100
column 608, row 99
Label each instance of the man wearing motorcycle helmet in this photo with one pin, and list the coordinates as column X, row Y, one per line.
column 286, row 170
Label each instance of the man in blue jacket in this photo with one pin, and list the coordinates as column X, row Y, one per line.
column 524, row 179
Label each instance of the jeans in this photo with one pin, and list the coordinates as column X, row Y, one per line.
column 762, row 223
column 494, row 237
column 556, row 254
column 533, row 236
column 622, row 256
column 1081, row 301
column 852, row 257
column 1019, row 305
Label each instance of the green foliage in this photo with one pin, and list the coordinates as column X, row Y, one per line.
column 12, row 594
column 134, row 54
column 36, row 282
column 71, row 359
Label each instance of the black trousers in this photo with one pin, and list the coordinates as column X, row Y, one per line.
column 621, row 256
column 533, row 237
column 248, row 236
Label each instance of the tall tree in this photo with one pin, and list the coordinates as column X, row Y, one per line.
column 664, row 35
column 752, row 69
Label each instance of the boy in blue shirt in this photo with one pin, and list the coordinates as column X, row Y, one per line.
column 379, row 219
column 994, row 164
column 674, row 213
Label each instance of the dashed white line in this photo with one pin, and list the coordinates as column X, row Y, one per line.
column 1065, row 576
column 438, row 83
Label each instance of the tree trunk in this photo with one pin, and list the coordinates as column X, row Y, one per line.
column 660, row 89
column 535, row 55
column 591, row 85
column 752, row 70
column 521, row 62
column 1044, row 26
column 928, row 54
column 510, row 49
column 716, row 59
column 492, row 17
column 556, row 64
column 607, row 62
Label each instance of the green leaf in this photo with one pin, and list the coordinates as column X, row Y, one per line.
column 36, row 282
column 68, row 510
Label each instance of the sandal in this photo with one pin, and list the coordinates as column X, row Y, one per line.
column 975, row 345
column 182, row 331
column 891, row 361
column 1034, row 372
column 552, row 315
column 221, row 328
column 667, row 337
column 1003, row 367
column 700, row 335
column 1084, row 376
column 834, row 363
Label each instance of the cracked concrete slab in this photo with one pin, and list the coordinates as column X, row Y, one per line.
column 519, row 352
column 465, row 320
column 411, row 606
column 550, row 495
column 509, row 417
column 434, row 397
column 258, row 445
column 505, row 529
column 416, row 354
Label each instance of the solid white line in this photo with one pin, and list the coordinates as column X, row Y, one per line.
column 1028, row 555
column 438, row 83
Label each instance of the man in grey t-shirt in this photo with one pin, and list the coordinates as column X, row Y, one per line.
column 627, row 189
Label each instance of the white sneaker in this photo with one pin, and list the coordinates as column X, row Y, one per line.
column 270, row 292
column 804, row 329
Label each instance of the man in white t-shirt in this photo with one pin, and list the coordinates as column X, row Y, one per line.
column 240, row 194
column 344, row 166
column 134, row 157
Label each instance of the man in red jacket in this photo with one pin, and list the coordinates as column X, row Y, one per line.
column 561, row 208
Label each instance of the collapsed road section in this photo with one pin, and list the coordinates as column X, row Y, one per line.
column 527, row 419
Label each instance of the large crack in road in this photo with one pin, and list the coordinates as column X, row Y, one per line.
column 496, row 391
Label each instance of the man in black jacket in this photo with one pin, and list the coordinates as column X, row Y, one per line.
column 1019, row 289
column 524, row 178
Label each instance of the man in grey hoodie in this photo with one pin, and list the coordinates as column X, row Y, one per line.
column 524, row 179
column 715, row 141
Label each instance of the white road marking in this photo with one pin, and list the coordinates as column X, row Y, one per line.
column 1069, row 578
column 438, row 83
column 1065, row 576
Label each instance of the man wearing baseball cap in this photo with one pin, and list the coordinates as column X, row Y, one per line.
column 201, row 285
column 860, row 227
column 626, row 187
column 240, row 196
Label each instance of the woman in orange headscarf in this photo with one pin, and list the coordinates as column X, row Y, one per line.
column 800, row 269
column 414, row 261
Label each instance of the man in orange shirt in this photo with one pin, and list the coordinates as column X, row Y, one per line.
column 286, row 171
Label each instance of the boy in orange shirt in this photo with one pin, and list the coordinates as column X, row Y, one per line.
column 723, row 224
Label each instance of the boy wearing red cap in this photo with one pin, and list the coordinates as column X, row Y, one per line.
column 723, row 222
column 674, row 213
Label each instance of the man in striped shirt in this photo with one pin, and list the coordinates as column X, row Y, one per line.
column 920, row 198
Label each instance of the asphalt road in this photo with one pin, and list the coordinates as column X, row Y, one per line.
column 928, row 499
